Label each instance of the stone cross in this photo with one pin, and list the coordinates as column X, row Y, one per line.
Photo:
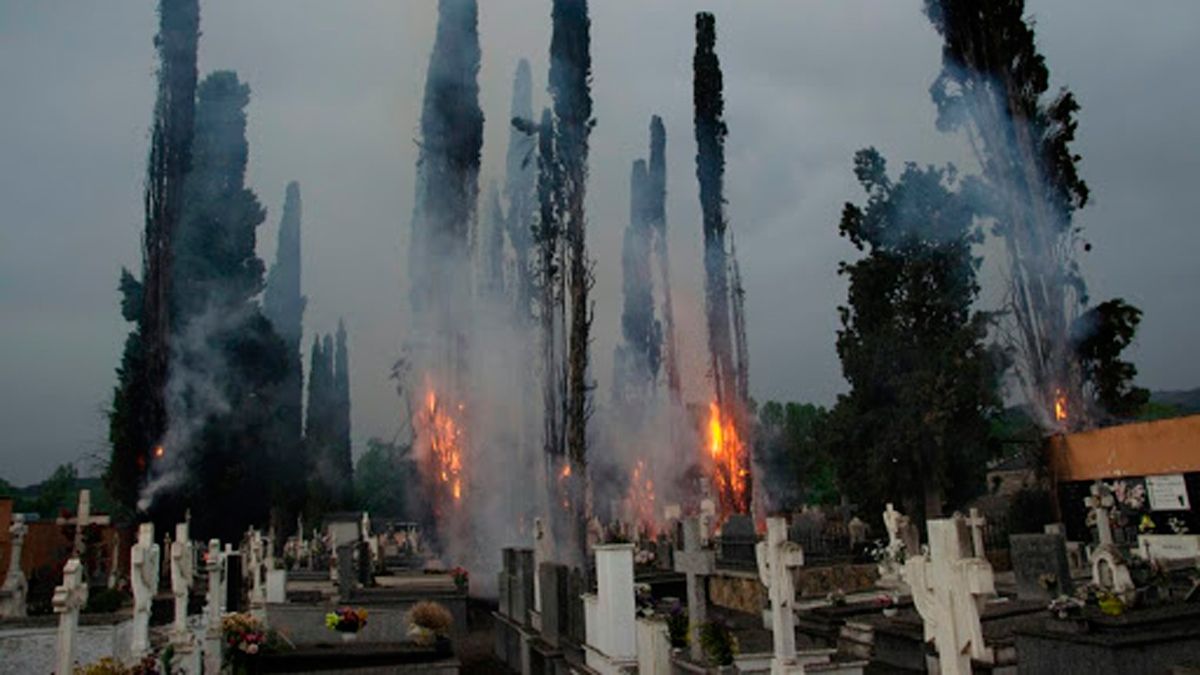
column 182, row 571
column 950, row 588
column 144, row 564
column 1100, row 501
column 254, row 564
column 696, row 563
column 891, row 521
column 12, row 593
column 977, row 522
column 214, row 565
column 114, row 565
column 82, row 520
column 777, row 557
column 858, row 530
column 69, row 598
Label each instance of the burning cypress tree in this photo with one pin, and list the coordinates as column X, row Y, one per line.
column 491, row 284
column 519, row 191
column 994, row 84
column 656, row 210
column 447, row 172
column 733, row 466
column 570, row 87
column 138, row 418
column 636, row 362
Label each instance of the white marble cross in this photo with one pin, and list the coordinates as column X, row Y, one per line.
column 12, row 592
column 144, row 567
column 950, row 588
column 69, row 598
column 777, row 557
column 82, row 520
column 696, row 563
column 977, row 522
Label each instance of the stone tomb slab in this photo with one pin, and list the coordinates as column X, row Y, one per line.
column 1040, row 566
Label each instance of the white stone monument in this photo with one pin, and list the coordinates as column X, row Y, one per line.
column 695, row 562
column 950, row 588
column 214, row 566
column 777, row 558
column 12, row 592
column 182, row 571
column 1109, row 569
column 611, row 636
column 145, row 562
column 69, row 598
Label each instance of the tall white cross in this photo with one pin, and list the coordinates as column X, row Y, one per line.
column 696, row 563
column 82, row 520
column 777, row 557
column 977, row 522
column 68, row 599
column 1100, row 501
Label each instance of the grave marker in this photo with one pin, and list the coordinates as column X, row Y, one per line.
column 69, row 598
column 697, row 563
column 1040, row 566
column 777, row 557
column 12, row 592
column 143, row 572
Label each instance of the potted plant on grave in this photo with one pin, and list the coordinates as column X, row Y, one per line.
column 111, row 666
column 429, row 624
column 719, row 645
column 1066, row 607
column 462, row 578
column 347, row 621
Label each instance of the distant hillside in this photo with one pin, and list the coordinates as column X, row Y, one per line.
column 1187, row 401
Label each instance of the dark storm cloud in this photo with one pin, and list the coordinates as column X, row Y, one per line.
column 335, row 104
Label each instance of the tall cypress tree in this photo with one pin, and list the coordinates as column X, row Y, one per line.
column 570, row 87
column 341, row 459
column 283, row 305
column 710, row 128
column 491, row 254
column 636, row 361
column 519, row 191
column 229, row 366
column 138, row 418
column 656, row 196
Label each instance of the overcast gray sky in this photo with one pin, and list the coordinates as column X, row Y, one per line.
column 336, row 99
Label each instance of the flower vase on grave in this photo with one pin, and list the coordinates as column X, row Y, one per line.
column 349, row 637
column 420, row 635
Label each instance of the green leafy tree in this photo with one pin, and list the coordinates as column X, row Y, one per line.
column 57, row 492
column 1100, row 335
column 796, row 466
column 381, row 479
column 914, row 427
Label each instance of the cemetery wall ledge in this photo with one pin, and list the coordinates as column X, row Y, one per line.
column 1138, row 449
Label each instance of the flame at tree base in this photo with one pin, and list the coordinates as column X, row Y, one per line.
column 443, row 436
column 730, row 463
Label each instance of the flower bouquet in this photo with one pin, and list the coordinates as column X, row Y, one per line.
column 461, row 578
column 245, row 637
column 429, row 622
column 1065, row 606
column 347, row 621
column 887, row 603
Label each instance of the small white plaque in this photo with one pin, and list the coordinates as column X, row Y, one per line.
column 1168, row 493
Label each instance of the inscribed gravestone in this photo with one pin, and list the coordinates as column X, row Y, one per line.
column 1040, row 565
column 738, row 540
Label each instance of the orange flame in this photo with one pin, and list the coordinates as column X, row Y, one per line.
column 159, row 452
column 1060, row 406
column 641, row 500
column 445, row 437
column 730, row 463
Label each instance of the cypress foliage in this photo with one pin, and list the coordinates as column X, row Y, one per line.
column 341, row 459
column 138, row 417
column 656, row 209
column 570, row 88
column 229, row 367
column 519, row 191
column 636, row 362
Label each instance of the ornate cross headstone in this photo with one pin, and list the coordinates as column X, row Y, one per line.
column 777, row 557
column 69, row 598
column 696, row 563
column 1099, row 502
column 950, row 588
column 82, row 520
column 144, row 564
column 214, row 565
column 12, row 593
column 182, row 571
column 1109, row 570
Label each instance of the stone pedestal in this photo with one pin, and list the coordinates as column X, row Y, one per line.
column 611, row 638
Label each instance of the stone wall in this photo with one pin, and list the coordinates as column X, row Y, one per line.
column 743, row 592
column 30, row 646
